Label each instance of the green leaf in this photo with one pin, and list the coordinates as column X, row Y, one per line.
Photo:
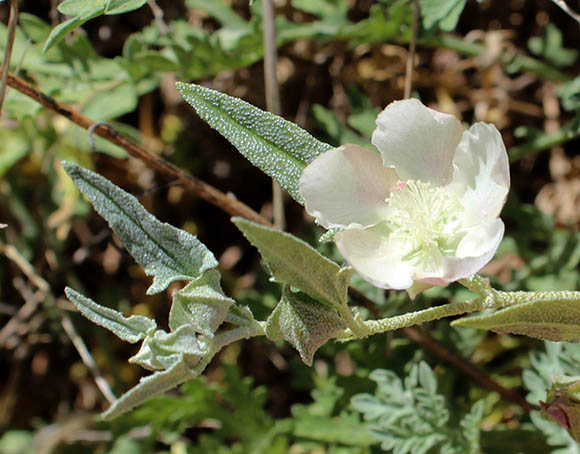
column 201, row 304
column 240, row 316
column 303, row 322
column 151, row 386
column 60, row 31
column 111, row 103
column 411, row 417
column 161, row 350
column 569, row 93
column 276, row 146
column 220, row 10
column 296, row 263
column 550, row 47
column 78, row 7
column 542, row 318
column 165, row 252
column 444, row 13
column 130, row 329
column 123, row 6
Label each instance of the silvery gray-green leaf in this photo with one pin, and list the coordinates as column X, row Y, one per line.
column 161, row 350
column 202, row 304
column 240, row 315
column 303, row 322
column 151, row 386
column 130, row 329
column 165, row 252
column 295, row 262
column 276, row 146
column 543, row 317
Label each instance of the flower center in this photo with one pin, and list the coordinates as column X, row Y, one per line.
column 425, row 221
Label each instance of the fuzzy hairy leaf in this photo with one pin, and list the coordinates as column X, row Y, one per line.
column 151, row 386
column 276, row 146
column 542, row 318
column 303, row 322
column 130, row 329
column 202, row 304
column 165, row 252
column 296, row 263
column 160, row 350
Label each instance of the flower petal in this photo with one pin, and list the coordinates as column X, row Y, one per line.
column 417, row 141
column 346, row 187
column 481, row 177
column 475, row 250
column 368, row 251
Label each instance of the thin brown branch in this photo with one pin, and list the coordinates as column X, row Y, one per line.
column 12, row 21
column 205, row 191
column 273, row 103
column 411, row 55
column 445, row 355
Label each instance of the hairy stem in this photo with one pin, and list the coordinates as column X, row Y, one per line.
column 233, row 335
column 426, row 315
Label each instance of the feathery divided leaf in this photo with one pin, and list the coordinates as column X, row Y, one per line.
column 276, row 146
column 410, row 417
column 165, row 252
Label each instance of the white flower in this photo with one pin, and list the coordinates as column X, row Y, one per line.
column 427, row 212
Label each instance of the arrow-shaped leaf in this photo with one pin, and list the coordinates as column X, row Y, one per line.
column 276, row 146
column 130, row 329
column 542, row 318
column 165, row 252
column 303, row 322
column 296, row 263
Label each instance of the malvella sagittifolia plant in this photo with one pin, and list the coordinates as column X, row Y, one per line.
column 423, row 211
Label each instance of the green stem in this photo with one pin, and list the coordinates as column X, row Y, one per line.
column 427, row 315
column 236, row 334
column 357, row 327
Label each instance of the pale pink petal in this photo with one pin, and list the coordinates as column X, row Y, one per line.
column 369, row 252
column 346, row 187
column 417, row 141
column 475, row 250
column 481, row 178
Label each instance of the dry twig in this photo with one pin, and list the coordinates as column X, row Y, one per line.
column 205, row 191
column 13, row 19
column 26, row 310
column 272, row 97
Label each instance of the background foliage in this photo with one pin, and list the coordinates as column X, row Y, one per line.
column 340, row 63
